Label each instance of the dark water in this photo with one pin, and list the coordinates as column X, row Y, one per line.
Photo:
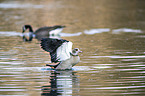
column 110, row 33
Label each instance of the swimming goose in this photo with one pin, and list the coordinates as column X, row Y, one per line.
column 42, row 32
column 61, row 52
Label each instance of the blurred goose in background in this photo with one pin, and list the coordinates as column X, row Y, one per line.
column 61, row 53
column 43, row 32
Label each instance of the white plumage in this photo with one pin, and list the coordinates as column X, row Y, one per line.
column 63, row 52
column 55, row 31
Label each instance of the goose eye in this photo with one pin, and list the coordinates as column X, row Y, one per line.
column 76, row 49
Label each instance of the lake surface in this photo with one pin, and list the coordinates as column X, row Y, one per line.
column 110, row 33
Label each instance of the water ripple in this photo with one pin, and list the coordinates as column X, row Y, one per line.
column 123, row 87
column 117, row 56
column 16, row 5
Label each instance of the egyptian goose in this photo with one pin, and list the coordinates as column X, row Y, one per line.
column 61, row 52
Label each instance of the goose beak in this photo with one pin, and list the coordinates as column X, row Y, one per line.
column 80, row 51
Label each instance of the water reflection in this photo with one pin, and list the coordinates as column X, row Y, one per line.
column 62, row 83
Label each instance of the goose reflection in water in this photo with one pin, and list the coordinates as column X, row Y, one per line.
column 43, row 32
column 61, row 83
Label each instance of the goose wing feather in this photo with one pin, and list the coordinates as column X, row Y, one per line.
column 59, row 48
column 50, row 45
column 63, row 52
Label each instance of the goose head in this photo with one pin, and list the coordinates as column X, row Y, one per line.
column 76, row 51
column 24, row 28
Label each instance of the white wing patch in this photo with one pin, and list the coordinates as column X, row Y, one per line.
column 56, row 31
column 63, row 52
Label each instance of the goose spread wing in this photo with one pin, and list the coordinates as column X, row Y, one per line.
column 59, row 48
column 50, row 45
column 63, row 52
